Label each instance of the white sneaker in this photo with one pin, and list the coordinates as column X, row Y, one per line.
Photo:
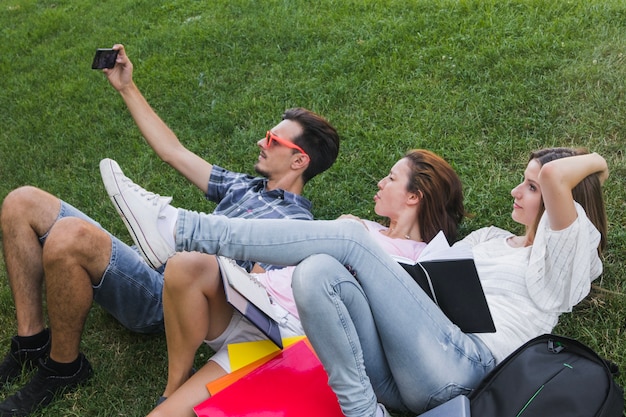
column 139, row 210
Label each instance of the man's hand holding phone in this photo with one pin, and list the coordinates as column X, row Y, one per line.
column 104, row 58
column 117, row 67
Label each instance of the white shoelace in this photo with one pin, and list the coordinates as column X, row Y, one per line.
column 143, row 193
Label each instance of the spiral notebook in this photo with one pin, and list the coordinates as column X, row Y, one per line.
column 250, row 298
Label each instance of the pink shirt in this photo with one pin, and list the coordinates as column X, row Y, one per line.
column 278, row 281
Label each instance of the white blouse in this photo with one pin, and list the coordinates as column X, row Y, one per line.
column 527, row 288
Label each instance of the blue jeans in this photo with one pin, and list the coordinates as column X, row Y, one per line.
column 130, row 290
column 379, row 336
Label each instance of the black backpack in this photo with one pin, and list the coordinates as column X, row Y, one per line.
column 550, row 376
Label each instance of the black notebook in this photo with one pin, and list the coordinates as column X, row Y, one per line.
column 250, row 298
column 452, row 282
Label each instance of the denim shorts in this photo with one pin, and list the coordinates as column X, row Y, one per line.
column 130, row 290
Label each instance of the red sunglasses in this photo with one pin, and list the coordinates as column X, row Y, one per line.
column 270, row 138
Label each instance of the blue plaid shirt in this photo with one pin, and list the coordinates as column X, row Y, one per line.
column 245, row 196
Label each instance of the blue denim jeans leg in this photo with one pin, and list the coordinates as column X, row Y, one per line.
column 349, row 345
column 429, row 359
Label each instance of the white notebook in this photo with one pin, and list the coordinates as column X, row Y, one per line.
column 250, row 298
column 241, row 280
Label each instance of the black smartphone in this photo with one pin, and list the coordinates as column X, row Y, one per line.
column 104, row 58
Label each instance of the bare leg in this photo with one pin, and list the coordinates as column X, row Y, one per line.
column 194, row 309
column 74, row 251
column 27, row 214
column 190, row 394
column 75, row 256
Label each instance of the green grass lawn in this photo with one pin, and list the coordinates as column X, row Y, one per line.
column 480, row 82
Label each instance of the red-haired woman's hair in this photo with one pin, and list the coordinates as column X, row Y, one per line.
column 441, row 191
